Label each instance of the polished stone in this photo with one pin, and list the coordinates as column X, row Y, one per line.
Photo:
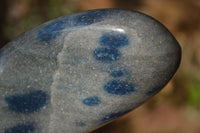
column 76, row 72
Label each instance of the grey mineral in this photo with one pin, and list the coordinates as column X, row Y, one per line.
column 76, row 72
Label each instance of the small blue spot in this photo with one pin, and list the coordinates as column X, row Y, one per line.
column 21, row 128
column 113, row 116
column 119, row 87
column 80, row 124
column 90, row 17
column 92, row 101
column 106, row 54
column 115, row 40
column 52, row 30
column 27, row 103
column 116, row 73
column 153, row 91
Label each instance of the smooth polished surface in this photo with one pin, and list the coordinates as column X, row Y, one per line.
column 74, row 73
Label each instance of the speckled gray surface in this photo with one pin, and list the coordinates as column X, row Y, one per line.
column 74, row 73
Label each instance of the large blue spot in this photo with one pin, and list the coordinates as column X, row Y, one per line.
column 21, row 128
column 27, row 103
column 117, row 73
column 113, row 39
column 90, row 17
column 106, row 54
column 153, row 91
column 52, row 30
column 92, row 101
column 112, row 116
column 119, row 87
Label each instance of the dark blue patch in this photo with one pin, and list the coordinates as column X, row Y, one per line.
column 116, row 73
column 52, row 30
column 92, row 101
column 153, row 91
column 27, row 103
column 80, row 124
column 90, row 17
column 21, row 128
column 106, row 54
column 119, row 87
column 113, row 39
column 114, row 115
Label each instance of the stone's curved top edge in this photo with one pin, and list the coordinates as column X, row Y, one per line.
column 109, row 12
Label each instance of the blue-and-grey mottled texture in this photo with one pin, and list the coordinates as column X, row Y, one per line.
column 74, row 73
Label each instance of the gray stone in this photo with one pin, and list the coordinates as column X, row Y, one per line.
column 74, row 73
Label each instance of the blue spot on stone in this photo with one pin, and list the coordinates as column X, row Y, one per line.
column 116, row 73
column 113, row 116
column 119, row 87
column 106, row 54
column 92, row 101
column 80, row 124
column 90, row 17
column 21, row 128
column 52, row 30
column 113, row 39
column 27, row 103
column 153, row 91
